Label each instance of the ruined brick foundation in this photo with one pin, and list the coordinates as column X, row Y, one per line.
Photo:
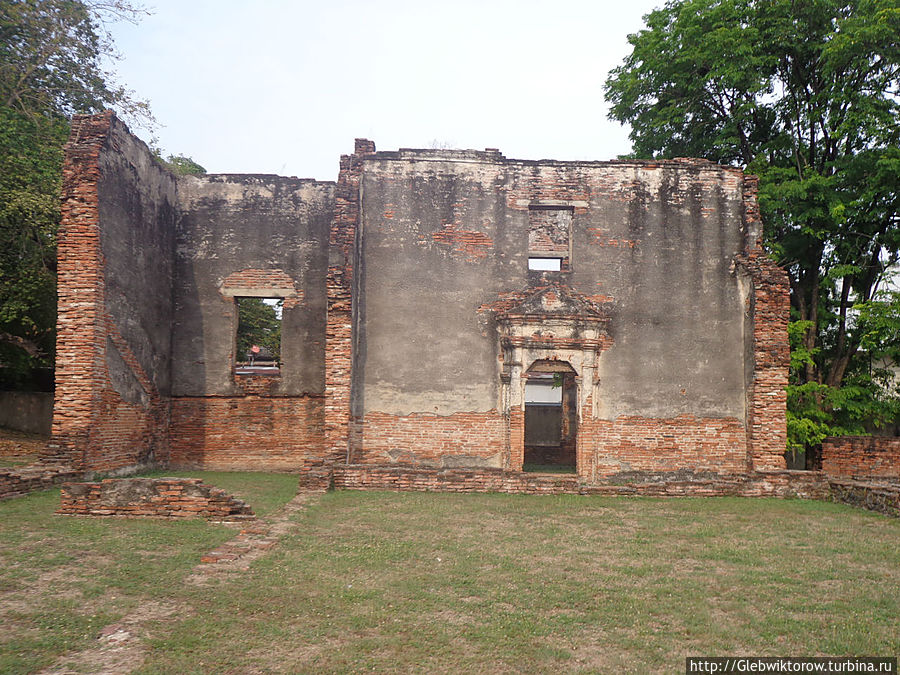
column 152, row 498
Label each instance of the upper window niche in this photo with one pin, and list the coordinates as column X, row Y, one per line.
column 544, row 264
column 258, row 339
column 549, row 238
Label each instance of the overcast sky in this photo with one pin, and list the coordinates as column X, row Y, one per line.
column 275, row 86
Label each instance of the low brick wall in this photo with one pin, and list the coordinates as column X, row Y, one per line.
column 881, row 497
column 777, row 483
column 402, row 478
column 19, row 482
column 152, row 497
column 805, row 484
column 862, row 457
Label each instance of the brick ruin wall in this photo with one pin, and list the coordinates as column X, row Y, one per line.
column 864, row 457
column 465, row 439
column 131, row 408
column 151, row 498
column 449, row 234
column 19, row 482
column 271, row 241
column 769, row 311
column 111, row 408
column 779, row 483
column 147, row 311
column 653, row 444
column 804, row 484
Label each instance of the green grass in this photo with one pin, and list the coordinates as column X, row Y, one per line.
column 423, row 582
column 63, row 578
column 499, row 583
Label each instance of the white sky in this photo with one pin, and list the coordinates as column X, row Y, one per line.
column 274, row 86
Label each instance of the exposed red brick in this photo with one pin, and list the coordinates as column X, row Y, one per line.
column 339, row 284
column 469, row 244
column 769, row 315
column 251, row 433
column 151, row 498
column 869, row 457
column 39, row 476
column 806, row 484
column 429, row 440
column 94, row 428
column 668, row 444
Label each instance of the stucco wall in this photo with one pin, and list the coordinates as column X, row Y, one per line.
column 441, row 238
column 232, row 224
column 443, row 234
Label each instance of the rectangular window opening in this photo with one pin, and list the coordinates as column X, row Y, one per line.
column 545, row 264
column 258, row 339
column 549, row 238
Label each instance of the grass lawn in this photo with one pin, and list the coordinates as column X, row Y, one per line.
column 468, row 583
column 63, row 578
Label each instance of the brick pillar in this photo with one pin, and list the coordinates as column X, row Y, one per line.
column 81, row 335
column 339, row 284
column 584, row 452
column 516, row 438
column 769, row 315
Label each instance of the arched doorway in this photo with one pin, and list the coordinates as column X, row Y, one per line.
column 551, row 417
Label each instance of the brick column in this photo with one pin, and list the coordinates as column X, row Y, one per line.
column 769, row 315
column 81, row 335
column 339, row 284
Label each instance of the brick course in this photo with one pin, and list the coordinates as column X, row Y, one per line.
column 94, row 427
column 339, row 285
column 769, row 313
column 806, row 484
column 649, row 444
column 862, row 457
column 880, row 497
column 431, row 440
column 19, row 482
column 250, row 433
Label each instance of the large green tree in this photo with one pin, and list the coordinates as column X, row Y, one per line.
column 806, row 94
column 52, row 59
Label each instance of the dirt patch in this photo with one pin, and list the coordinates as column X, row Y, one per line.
column 119, row 647
column 18, row 442
column 18, row 448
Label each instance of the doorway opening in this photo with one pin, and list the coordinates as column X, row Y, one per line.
column 551, row 418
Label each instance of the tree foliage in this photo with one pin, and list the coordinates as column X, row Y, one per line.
column 259, row 323
column 52, row 56
column 806, row 94
column 182, row 166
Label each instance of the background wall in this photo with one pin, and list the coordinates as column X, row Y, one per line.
column 29, row 411
column 444, row 233
column 263, row 236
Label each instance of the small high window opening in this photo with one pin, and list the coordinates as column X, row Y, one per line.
column 258, row 339
column 545, row 264
column 549, row 238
